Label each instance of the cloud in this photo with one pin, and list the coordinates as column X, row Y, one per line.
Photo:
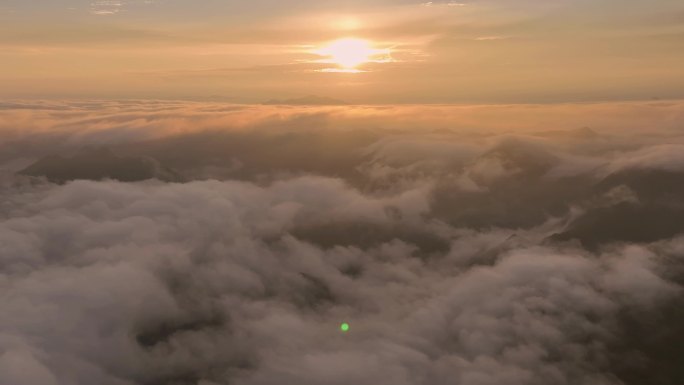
column 106, row 7
column 661, row 157
column 460, row 246
column 158, row 283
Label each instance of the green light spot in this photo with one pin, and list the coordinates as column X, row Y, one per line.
column 344, row 327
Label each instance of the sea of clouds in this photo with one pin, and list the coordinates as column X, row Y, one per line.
column 177, row 243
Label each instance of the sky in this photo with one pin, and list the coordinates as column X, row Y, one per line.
column 477, row 51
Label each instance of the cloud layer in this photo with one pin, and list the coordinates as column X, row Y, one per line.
column 473, row 246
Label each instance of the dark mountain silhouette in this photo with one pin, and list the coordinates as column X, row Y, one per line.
column 658, row 213
column 98, row 164
column 311, row 100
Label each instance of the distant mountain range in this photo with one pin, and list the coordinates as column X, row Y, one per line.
column 311, row 100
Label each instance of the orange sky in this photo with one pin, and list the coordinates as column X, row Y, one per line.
column 487, row 51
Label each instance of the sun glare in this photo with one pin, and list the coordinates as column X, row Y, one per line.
column 350, row 53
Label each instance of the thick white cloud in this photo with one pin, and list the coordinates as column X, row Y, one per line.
column 444, row 248
column 118, row 283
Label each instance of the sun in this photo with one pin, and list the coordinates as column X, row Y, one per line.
column 350, row 53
